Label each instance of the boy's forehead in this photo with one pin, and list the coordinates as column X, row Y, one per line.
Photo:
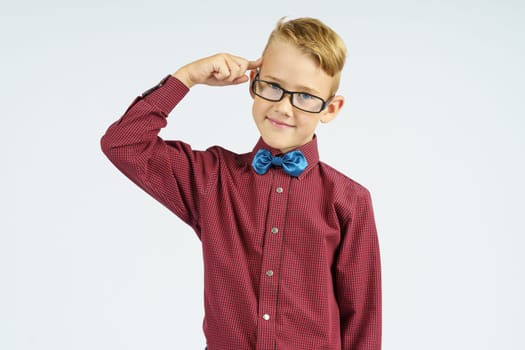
column 286, row 64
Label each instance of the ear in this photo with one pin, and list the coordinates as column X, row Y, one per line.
column 333, row 108
column 252, row 76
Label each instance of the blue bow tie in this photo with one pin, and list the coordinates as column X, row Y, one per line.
column 293, row 163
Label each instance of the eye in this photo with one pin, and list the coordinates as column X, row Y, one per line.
column 304, row 96
column 274, row 86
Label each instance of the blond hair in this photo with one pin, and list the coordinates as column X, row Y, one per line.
column 315, row 39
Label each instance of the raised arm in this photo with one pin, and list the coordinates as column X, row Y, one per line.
column 170, row 171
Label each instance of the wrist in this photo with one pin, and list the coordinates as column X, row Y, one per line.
column 184, row 77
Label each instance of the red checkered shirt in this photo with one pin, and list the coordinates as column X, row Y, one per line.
column 290, row 263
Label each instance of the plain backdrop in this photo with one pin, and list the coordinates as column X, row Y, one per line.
column 433, row 127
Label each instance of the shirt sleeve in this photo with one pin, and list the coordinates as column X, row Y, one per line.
column 358, row 278
column 170, row 171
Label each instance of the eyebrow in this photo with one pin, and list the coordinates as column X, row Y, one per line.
column 300, row 88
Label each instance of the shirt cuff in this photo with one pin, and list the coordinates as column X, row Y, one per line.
column 166, row 94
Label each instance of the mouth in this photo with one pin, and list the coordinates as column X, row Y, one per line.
column 278, row 124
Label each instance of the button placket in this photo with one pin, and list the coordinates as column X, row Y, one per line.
column 272, row 251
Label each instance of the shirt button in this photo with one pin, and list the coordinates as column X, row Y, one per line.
column 266, row 317
column 275, row 230
column 269, row 273
column 279, row 190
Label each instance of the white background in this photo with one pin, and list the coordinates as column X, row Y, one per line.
column 434, row 127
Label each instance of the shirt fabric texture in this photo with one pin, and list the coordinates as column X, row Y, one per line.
column 290, row 263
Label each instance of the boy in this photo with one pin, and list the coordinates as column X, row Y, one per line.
column 291, row 257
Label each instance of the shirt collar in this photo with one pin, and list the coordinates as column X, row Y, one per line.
column 309, row 150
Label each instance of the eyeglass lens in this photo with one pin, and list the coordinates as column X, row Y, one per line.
column 301, row 100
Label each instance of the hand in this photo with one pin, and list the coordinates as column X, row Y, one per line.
column 218, row 70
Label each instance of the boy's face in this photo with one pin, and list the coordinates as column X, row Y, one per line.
column 281, row 125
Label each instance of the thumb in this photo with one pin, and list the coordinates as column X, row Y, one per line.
column 240, row 80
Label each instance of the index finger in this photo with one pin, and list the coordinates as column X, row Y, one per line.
column 255, row 64
column 247, row 64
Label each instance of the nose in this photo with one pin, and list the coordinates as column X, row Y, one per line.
column 285, row 105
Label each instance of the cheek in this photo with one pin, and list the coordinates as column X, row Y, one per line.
column 307, row 124
column 255, row 112
column 258, row 109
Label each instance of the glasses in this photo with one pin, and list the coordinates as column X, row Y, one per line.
column 300, row 100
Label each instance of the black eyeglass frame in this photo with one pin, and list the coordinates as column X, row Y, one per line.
column 291, row 93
